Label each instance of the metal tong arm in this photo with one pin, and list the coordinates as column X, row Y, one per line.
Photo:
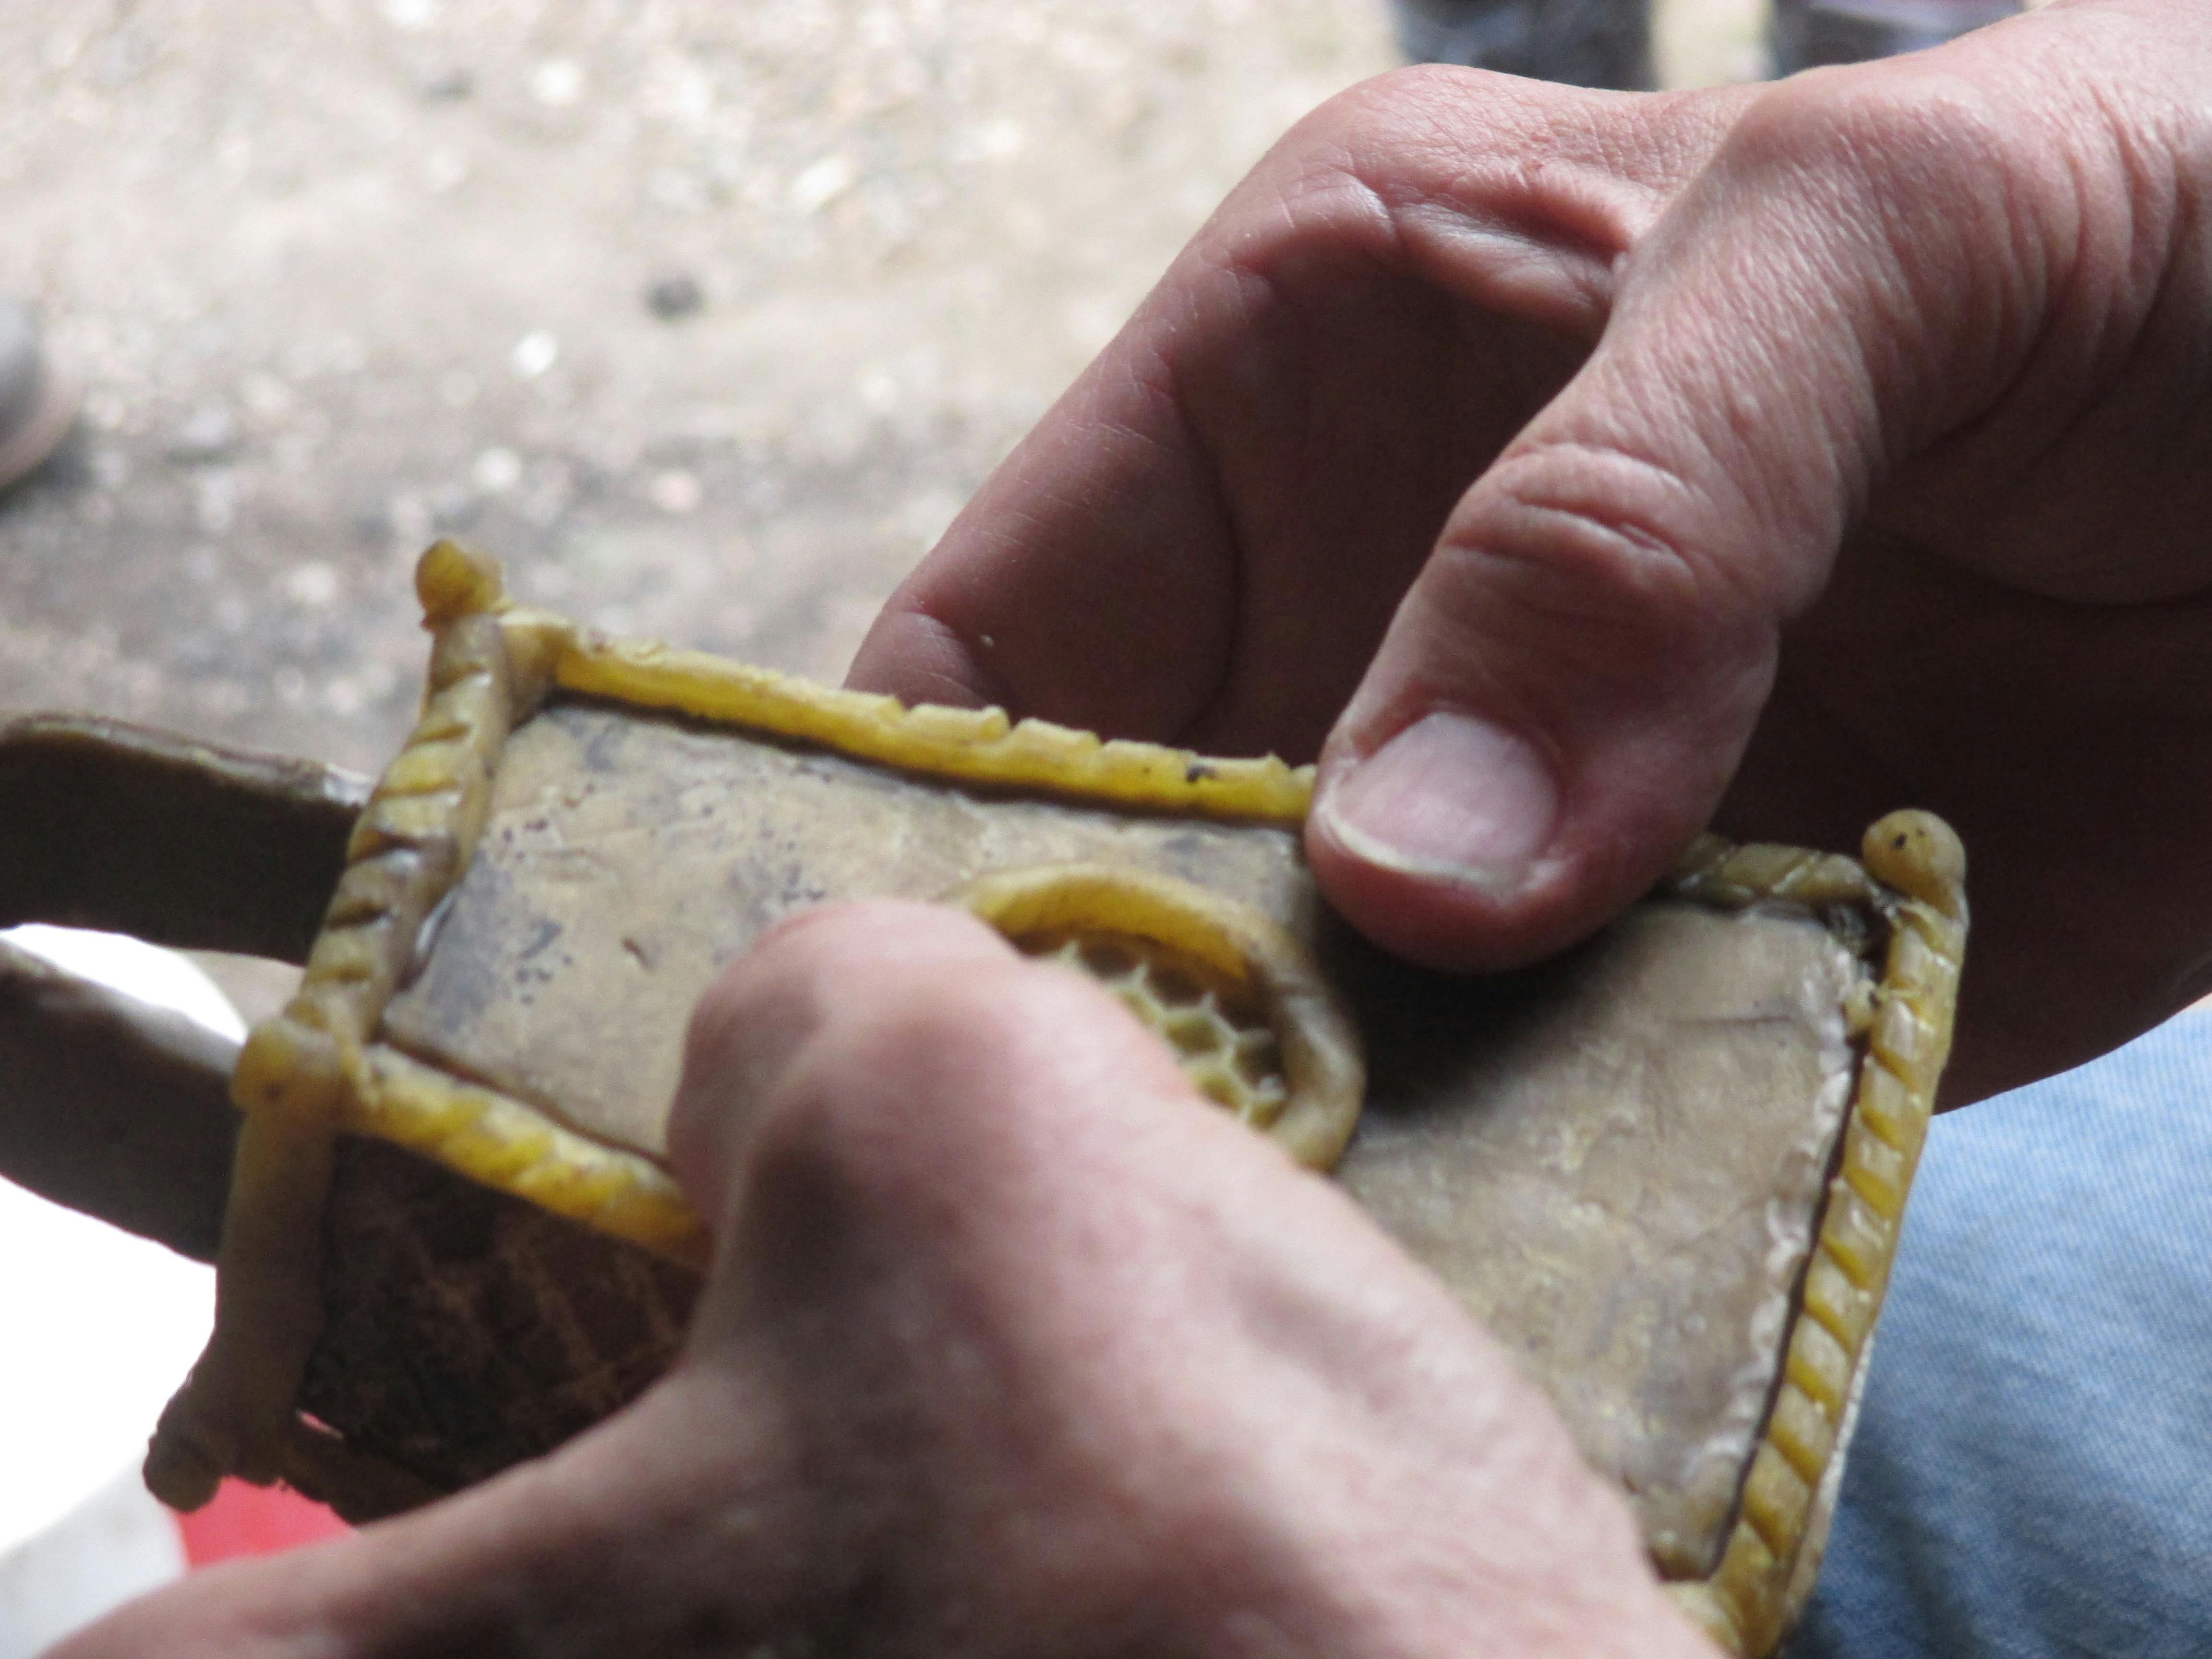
column 107, row 1104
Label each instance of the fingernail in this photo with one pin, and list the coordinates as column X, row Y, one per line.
column 1448, row 797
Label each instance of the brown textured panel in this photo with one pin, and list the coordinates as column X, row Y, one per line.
column 469, row 1330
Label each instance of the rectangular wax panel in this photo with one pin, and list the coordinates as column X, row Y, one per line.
column 1616, row 1161
column 1622, row 1176
column 628, row 857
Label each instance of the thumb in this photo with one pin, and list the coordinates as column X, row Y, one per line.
column 1570, row 682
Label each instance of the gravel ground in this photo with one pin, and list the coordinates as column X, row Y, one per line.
column 703, row 315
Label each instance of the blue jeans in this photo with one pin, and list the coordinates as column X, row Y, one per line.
column 1607, row 43
column 1580, row 43
column 2032, row 1473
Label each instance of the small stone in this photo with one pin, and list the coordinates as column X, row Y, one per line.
column 673, row 295
column 558, row 82
column 314, row 586
column 676, row 492
column 821, row 184
column 535, row 353
column 450, row 86
column 208, row 434
column 497, row 470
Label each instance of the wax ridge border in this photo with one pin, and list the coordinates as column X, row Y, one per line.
column 1914, row 874
column 313, row 1072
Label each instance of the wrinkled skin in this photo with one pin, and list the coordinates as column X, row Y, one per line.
column 1790, row 454
column 1012, row 1346
column 1786, row 455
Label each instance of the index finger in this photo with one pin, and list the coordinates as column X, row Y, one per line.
column 1205, row 539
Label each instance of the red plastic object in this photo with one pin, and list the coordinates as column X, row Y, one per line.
column 243, row 1520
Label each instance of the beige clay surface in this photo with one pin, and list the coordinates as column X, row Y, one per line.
column 1616, row 1160
column 1621, row 1178
column 627, row 859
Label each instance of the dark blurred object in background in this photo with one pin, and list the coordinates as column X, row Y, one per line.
column 38, row 405
column 1580, row 43
column 1807, row 34
column 1607, row 43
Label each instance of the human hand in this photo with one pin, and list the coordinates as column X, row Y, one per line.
column 1011, row 1344
column 1583, row 466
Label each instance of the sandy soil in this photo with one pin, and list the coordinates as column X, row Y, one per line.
column 344, row 274
column 704, row 316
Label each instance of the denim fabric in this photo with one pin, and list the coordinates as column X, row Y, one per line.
column 1580, row 43
column 1607, row 43
column 1807, row 34
column 2032, row 1473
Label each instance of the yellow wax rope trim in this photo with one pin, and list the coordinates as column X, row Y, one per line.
column 508, row 1145
column 973, row 745
column 1322, row 1063
column 300, row 1072
column 1719, row 871
column 313, row 1071
column 1745, row 1604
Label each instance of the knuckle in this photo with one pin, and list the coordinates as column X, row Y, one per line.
column 1336, row 181
column 790, row 955
column 742, row 1033
column 1602, row 560
column 1383, row 105
column 1906, row 192
column 718, row 1021
column 936, row 1033
column 1423, row 134
column 916, row 1077
column 770, row 991
column 835, row 952
column 1887, row 137
column 1447, row 103
column 1602, row 529
column 807, row 984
